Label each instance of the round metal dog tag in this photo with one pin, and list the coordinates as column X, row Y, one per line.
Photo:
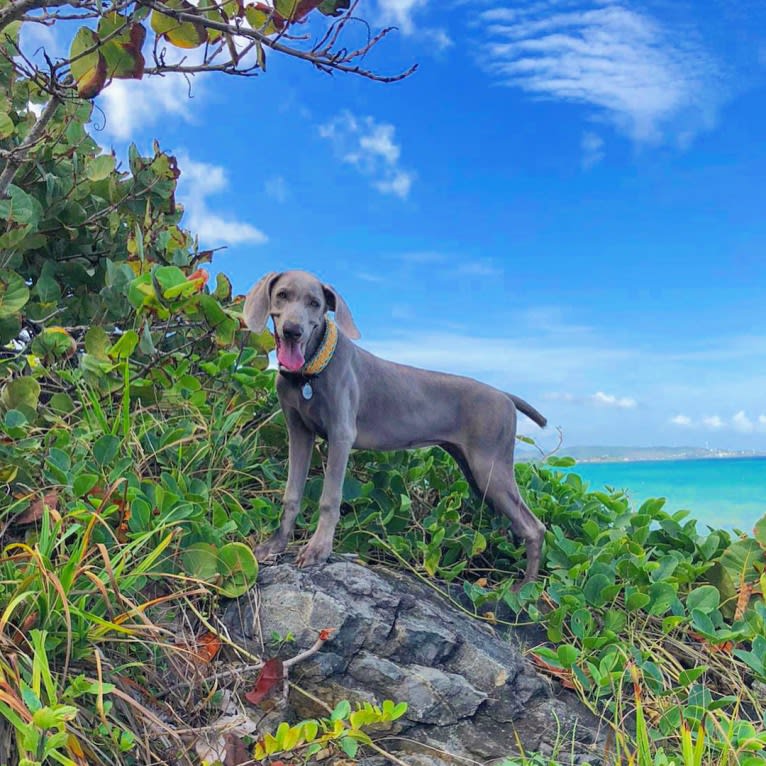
column 307, row 391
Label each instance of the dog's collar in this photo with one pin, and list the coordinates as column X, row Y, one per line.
column 322, row 356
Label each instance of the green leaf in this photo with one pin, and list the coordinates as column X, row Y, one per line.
column 122, row 52
column 200, row 560
column 84, row 483
column 105, row 449
column 706, row 598
column 182, row 34
column 341, row 711
column 479, row 544
column 7, row 126
column 759, row 531
column 567, row 655
column 97, row 343
column 14, row 293
column 334, row 7
column 661, row 597
column 686, row 677
column 560, row 462
column 265, row 23
column 635, row 599
column 100, row 167
column 702, row 623
column 20, row 207
column 239, row 568
column 54, row 343
column 349, row 746
column 594, row 589
column 21, row 394
column 88, row 64
column 125, row 345
column 740, row 560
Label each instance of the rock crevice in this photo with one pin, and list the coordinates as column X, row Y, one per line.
column 472, row 694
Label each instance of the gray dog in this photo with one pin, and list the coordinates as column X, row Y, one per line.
column 329, row 386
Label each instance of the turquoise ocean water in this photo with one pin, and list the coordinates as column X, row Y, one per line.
column 729, row 493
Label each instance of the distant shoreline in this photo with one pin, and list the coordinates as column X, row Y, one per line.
column 668, row 458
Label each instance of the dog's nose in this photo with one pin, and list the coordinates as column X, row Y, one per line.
column 292, row 331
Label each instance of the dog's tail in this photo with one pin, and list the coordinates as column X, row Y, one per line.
column 528, row 410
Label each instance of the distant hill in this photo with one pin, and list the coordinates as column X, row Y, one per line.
column 592, row 454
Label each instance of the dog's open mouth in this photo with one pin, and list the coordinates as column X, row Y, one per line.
column 289, row 354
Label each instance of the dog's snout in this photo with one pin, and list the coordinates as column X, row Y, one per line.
column 292, row 331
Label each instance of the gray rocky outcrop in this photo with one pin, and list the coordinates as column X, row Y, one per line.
column 472, row 694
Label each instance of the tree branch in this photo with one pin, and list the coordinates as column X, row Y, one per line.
column 18, row 155
column 324, row 59
column 14, row 11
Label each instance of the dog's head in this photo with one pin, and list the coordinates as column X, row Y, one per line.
column 297, row 303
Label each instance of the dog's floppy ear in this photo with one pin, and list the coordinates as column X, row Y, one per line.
column 343, row 316
column 257, row 303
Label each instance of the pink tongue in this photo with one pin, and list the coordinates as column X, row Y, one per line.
column 289, row 356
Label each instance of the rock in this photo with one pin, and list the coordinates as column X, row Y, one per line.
column 471, row 693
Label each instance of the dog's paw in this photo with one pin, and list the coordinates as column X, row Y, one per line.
column 313, row 554
column 267, row 553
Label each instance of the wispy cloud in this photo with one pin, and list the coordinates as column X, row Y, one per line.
column 599, row 399
column 681, row 420
column 372, row 149
column 592, row 146
column 198, row 181
column 402, row 13
column 276, row 188
column 648, row 80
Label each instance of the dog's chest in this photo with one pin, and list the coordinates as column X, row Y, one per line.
column 309, row 410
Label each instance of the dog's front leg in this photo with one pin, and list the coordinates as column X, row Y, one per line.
column 300, row 444
column 319, row 547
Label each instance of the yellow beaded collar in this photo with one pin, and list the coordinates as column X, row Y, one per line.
column 324, row 353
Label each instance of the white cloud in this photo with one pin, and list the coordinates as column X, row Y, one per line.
column 647, row 80
column 198, row 181
column 482, row 267
column 276, row 188
column 560, row 396
column 131, row 106
column 439, row 38
column 371, row 148
column 742, row 422
column 400, row 13
column 738, row 422
column 609, row 400
column 592, row 146
column 599, row 399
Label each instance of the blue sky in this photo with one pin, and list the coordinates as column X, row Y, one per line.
column 566, row 200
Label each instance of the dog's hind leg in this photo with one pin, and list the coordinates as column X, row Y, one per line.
column 496, row 483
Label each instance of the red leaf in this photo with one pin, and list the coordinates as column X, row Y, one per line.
column 271, row 674
column 200, row 276
column 208, row 645
column 325, row 633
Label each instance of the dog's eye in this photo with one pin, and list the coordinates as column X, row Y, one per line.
column 282, row 295
column 314, row 303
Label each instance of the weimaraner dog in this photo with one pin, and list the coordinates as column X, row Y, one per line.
column 359, row 400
